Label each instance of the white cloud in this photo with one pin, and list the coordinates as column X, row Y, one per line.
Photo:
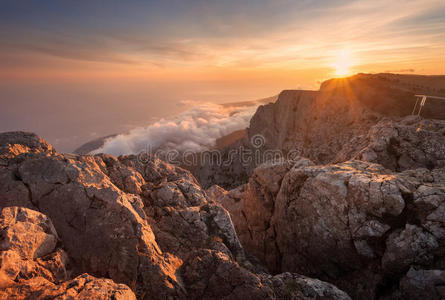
column 195, row 129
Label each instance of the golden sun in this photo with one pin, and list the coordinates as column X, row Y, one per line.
column 343, row 64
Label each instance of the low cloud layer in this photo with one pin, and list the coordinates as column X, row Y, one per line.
column 195, row 130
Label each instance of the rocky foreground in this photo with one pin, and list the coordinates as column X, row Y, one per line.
column 101, row 227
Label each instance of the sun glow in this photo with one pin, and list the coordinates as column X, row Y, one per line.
column 343, row 64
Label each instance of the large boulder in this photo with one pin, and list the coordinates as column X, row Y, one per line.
column 355, row 224
column 34, row 266
column 28, row 247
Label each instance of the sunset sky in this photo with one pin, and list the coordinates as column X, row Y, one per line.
column 57, row 57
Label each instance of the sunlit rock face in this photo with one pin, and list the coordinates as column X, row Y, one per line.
column 101, row 227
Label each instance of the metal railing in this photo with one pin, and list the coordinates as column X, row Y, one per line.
column 423, row 99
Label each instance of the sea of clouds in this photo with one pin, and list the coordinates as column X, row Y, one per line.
column 195, row 129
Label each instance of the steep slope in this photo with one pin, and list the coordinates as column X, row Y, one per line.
column 93, row 145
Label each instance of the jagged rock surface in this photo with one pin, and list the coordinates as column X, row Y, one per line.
column 355, row 224
column 409, row 143
column 144, row 224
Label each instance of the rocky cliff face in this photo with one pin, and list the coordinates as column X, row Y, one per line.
column 333, row 124
column 101, row 227
column 319, row 124
column 372, row 225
